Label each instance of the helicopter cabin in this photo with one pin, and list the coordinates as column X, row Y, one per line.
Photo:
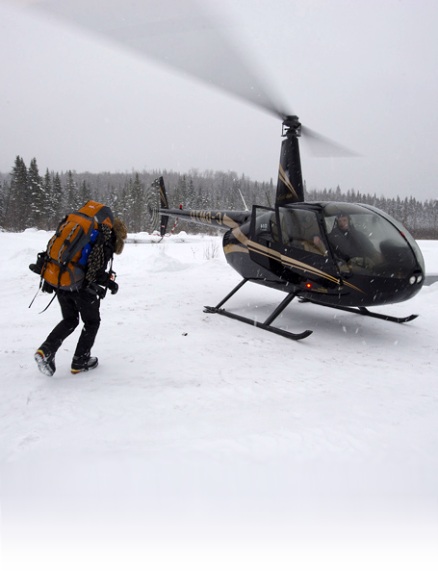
column 370, row 239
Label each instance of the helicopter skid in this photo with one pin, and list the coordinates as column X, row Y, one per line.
column 365, row 312
column 262, row 325
column 266, row 325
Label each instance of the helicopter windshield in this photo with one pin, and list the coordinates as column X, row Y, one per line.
column 405, row 233
column 365, row 238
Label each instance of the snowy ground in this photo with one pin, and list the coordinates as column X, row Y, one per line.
column 201, row 443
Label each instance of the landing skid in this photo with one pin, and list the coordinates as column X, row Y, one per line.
column 266, row 325
column 365, row 312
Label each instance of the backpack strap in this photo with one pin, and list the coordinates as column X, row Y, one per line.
column 53, row 297
column 40, row 288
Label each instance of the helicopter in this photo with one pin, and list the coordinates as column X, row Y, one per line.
column 297, row 247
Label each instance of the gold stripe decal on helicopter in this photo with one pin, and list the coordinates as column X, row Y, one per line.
column 284, row 178
column 286, row 260
column 293, row 263
column 242, row 238
column 228, row 221
column 210, row 217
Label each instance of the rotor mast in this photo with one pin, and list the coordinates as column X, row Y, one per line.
column 290, row 187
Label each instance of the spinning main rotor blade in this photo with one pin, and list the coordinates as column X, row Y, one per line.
column 321, row 146
column 177, row 33
column 183, row 36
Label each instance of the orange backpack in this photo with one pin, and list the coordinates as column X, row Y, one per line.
column 68, row 249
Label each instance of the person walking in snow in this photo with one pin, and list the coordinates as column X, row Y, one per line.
column 84, row 303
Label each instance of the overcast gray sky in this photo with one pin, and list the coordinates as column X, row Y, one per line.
column 363, row 73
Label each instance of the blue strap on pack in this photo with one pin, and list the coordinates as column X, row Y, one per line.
column 87, row 248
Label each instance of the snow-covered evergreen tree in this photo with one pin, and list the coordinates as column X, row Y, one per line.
column 37, row 215
column 19, row 199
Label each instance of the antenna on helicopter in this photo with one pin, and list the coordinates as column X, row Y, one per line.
column 243, row 200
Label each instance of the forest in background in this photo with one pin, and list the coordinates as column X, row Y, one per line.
column 29, row 199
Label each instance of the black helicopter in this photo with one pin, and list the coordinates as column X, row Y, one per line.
column 301, row 248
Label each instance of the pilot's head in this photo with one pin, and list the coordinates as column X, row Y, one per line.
column 343, row 221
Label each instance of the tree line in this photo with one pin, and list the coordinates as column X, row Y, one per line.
column 29, row 199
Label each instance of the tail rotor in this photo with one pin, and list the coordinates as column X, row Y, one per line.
column 156, row 199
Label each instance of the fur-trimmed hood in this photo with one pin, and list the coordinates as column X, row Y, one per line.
column 120, row 233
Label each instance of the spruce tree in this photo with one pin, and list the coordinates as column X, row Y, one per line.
column 180, row 192
column 73, row 200
column 84, row 193
column 128, row 205
column 18, row 197
column 50, row 205
column 58, row 207
column 137, row 197
column 37, row 214
column 3, row 203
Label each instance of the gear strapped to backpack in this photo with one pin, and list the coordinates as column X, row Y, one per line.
column 67, row 252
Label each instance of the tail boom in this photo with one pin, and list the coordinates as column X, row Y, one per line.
column 223, row 219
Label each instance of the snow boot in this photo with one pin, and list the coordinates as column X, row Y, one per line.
column 45, row 361
column 83, row 363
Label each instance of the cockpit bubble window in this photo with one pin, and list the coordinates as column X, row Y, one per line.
column 365, row 237
column 405, row 234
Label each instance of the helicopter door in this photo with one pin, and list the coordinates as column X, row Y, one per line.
column 266, row 238
column 304, row 240
column 300, row 230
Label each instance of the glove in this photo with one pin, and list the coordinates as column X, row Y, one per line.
column 112, row 286
column 41, row 259
column 111, row 283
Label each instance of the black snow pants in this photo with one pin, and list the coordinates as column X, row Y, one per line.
column 83, row 304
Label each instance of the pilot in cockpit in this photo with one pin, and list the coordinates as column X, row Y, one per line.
column 349, row 243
